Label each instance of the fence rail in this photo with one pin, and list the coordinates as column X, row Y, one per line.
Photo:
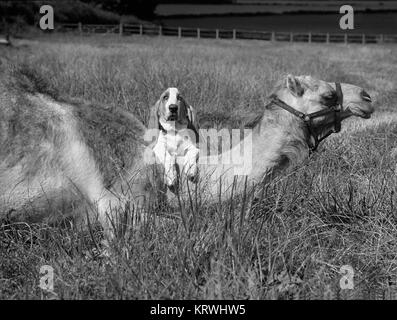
column 156, row 30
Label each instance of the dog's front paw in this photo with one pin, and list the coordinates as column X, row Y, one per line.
column 173, row 188
column 171, row 179
column 192, row 173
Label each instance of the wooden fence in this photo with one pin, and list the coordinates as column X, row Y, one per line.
column 156, row 30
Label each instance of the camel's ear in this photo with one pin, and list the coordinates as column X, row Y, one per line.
column 154, row 116
column 294, row 86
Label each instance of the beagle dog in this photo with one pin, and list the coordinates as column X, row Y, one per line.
column 176, row 147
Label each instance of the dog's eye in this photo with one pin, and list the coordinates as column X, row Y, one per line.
column 165, row 98
column 178, row 97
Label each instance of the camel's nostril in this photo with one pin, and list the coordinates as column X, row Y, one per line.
column 366, row 96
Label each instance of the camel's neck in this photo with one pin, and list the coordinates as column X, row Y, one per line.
column 272, row 145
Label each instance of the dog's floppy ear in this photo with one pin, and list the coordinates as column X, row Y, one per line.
column 152, row 132
column 154, row 116
column 191, row 115
column 193, row 123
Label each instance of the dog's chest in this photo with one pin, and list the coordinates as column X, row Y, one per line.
column 175, row 143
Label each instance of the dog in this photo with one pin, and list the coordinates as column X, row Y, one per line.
column 177, row 137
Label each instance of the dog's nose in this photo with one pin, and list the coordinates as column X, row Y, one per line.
column 173, row 108
column 366, row 96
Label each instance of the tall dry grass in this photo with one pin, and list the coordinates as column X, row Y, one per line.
column 286, row 242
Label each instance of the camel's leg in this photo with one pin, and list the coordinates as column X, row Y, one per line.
column 81, row 170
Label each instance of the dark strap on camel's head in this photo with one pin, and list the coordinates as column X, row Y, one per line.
column 307, row 118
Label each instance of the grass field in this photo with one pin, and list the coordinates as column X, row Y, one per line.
column 336, row 209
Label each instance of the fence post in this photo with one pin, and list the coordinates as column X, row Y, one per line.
column 121, row 29
column 198, row 33
column 345, row 38
column 310, row 37
column 217, row 34
column 273, row 36
column 381, row 38
column 291, row 37
column 363, row 38
column 179, row 32
column 234, row 34
column 327, row 39
column 80, row 28
column 160, row 31
column 140, row 30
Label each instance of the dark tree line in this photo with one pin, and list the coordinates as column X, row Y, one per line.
column 143, row 9
column 90, row 11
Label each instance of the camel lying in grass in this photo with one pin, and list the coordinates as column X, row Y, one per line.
column 54, row 154
column 302, row 111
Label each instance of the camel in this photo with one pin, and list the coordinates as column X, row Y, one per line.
column 57, row 153
column 280, row 137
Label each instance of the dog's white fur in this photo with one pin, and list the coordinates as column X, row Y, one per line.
column 176, row 145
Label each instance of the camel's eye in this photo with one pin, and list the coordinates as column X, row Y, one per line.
column 329, row 99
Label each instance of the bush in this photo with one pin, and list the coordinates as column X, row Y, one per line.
column 17, row 13
column 77, row 11
column 14, row 12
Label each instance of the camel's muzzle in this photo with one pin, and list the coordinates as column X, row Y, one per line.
column 362, row 108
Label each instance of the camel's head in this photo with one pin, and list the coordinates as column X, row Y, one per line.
column 356, row 101
column 308, row 95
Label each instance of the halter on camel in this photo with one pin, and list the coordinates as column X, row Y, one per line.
column 308, row 118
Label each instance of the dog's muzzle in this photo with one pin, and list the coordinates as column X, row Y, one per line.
column 173, row 112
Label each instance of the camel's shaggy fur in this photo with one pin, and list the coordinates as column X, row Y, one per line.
column 59, row 153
